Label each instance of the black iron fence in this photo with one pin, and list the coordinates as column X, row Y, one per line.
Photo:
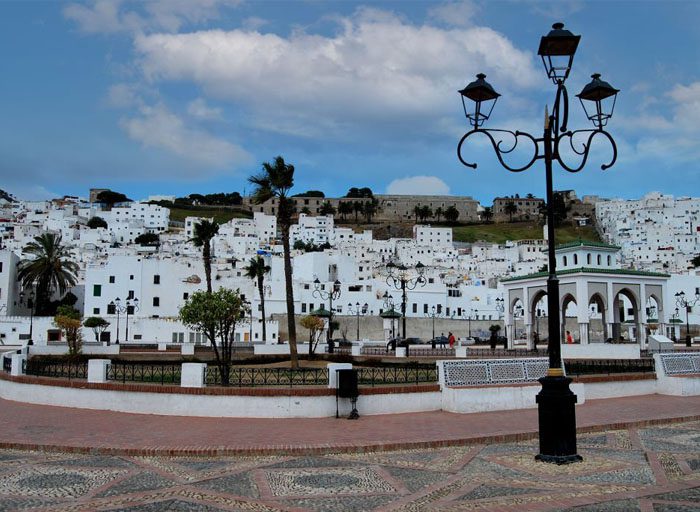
column 256, row 377
column 376, row 351
column 60, row 369
column 396, row 375
column 139, row 372
column 504, row 353
column 608, row 366
column 431, row 352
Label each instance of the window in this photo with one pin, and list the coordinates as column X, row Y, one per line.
column 156, row 279
column 111, row 279
column 608, row 260
column 185, row 296
column 425, row 308
column 303, row 307
column 415, row 307
column 131, row 277
column 111, row 309
column 130, row 310
column 0, row 266
column 156, row 302
column 95, row 311
column 564, row 260
column 131, row 294
column 97, row 290
column 588, row 258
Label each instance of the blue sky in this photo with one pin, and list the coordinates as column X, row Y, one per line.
column 184, row 96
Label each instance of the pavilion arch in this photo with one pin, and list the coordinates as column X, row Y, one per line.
column 569, row 322
column 626, row 320
column 597, row 312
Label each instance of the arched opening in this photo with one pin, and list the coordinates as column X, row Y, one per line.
column 540, row 320
column 565, row 260
column 652, row 310
column 588, row 258
column 597, row 326
column 625, row 317
column 569, row 314
column 517, row 312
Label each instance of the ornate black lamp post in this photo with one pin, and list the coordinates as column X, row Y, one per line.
column 31, row 304
column 390, row 312
column 687, row 304
column 330, row 296
column 357, row 311
column 557, row 417
column 434, row 313
column 129, row 307
column 400, row 278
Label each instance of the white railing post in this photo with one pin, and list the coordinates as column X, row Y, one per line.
column 193, row 375
column 97, row 370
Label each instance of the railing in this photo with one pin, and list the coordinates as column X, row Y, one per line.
column 151, row 373
column 60, row 369
column 338, row 350
column 608, row 366
column 376, row 351
column 431, row 352
column 504, row 353
column 255, row 377
column 396, row 375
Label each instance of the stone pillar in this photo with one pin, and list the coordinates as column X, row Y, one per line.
column 162, row 347
column 510, row 334
column 356, row 349
column 583, row 333
column 332, row 372
column 193, row 375
column 97, row 370
column 400, row 351
column 528, row 336
column 17, row 362
column 461, row 352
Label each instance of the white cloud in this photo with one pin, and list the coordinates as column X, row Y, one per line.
column 199, row 109
column 458, row 14
column 157, row 127
column 123, row 96
column 377, row 72
column 112, row 16
column 418, row 185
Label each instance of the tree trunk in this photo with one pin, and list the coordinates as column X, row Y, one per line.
column 291, row 324
column 206, row 256
column 262, row 306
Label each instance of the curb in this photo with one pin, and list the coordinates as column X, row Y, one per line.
column 325, row 449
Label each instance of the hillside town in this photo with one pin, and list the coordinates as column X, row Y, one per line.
column 136, row 267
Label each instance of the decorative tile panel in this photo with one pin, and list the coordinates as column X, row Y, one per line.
column 493, row 371
column 681, row 363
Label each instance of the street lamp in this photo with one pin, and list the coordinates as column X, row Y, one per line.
column 130, row 306
column 390, row 312
column 433, row 314
column 31, row 303
column 329, row 295
column 357, row 311
column 687, row 304
column 249, row 305
column 400, row 278
column 557, row 417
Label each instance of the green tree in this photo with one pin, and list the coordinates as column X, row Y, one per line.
column 425, row 212
column 695, row 261
column 110, row 198
column 345, row 208
column 97, row 324
column 359, row 193
column 96, row 222
column 510, row 209
column 276, row 180
column 451, row 214
column 256, row 270
column 68, row 320
column 305, row 210
column 48, row 267
column 147, row 239
column 215, row 314
column 560, row 209
column 327, row 209
column 310, row 193
column 204, row 231
column 416, row 212
column 487, row 214
column 358, row 207
column 439, row 213
column 370, row 209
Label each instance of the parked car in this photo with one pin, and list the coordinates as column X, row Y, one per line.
column 394, row 342
column 440, row 340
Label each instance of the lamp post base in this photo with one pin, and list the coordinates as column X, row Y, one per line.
column 557, row 421
column 688, row 341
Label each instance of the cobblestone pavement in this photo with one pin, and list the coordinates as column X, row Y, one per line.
column 652, row 469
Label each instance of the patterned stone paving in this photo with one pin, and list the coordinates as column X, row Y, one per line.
column 654, row 469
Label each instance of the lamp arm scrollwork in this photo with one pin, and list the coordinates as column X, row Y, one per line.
column 500, row 150
column 585, row 148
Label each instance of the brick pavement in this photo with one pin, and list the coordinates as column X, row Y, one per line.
column 80, row 430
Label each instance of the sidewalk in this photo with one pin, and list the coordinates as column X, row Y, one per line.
column 87, row 431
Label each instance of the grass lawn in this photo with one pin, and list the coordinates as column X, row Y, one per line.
column 499, row 233
column 221, row 215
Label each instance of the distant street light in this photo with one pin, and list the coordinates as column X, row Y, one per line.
column 400, row 278
column 357, row 311
column 687, row 304
column 31, row 304
column 129, row 307
column 329, row 295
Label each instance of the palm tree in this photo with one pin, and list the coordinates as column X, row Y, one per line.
column 358, row 207
column 257, row 269
column 276, row 180
column 49, row 267
column 451, row 214
column 327, row 209
column 370, row 209
column 204, row 231
column 344, row 209
column 426, row 212
column 438, row 213
column 487, row 214
column 417, row 212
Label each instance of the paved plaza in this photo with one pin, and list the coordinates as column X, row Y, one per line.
column 653, row 468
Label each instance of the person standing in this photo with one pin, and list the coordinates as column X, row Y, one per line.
column 451, row 340
column 569, row 338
